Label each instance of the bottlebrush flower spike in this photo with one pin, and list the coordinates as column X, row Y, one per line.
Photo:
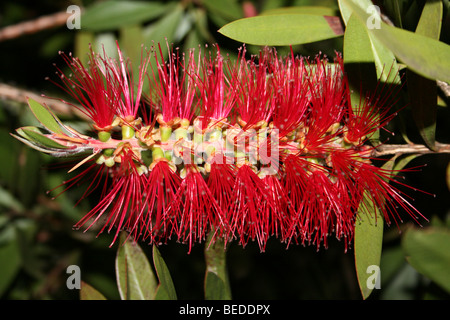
column 246, row 150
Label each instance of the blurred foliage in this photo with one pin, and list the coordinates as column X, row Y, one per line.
column 37, row 242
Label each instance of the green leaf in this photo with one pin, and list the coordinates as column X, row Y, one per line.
column 9, row 256
column 164, row 277
column 45, row 117
column 430, row 22
column 392, row 260
column 428, row 251
column 131, row 38
column 33, row 135
column 346, row 9
column 135, row 278
column 423, row 100
column 282, row 30
column 385, row 63
column 402, row 161
column 165, row 28
column 83, row 40
column 161, row 293
column 215, row 288
column 427, row 57
column 395, row 8
column 9, row 201
column 226, row 9
column 27, row 142
column 368, row 244
column 110, row 15
column 317, row 10
column 87, row 292
column 359, row 64
column 422, row 91
column 359, row 59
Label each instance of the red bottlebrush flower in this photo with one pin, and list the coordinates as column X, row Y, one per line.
column 128, row 98
column 254, row 93
column 370, row 115
column 329, row 100
column 194, row 210
column 277, row 207
column 172, row 91
column 216, row 94
column 161, row 188
column 253, row 206
column 221, row 182
column 291, row 93
column 123, row 203
column 92, row 87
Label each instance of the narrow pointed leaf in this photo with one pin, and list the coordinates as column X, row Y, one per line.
column 227, row 9
column 165, row 28
column 161, row 293
column 165, row 280
column 423, row 91
column 430, row 22
column 33, row 135
column 428, row 251
column 402, row 162
column 283, row 29
column 135, row 278
column 423, row 100
column 10, row 255
column 368, row 244
column 426, row 56
column 45, row 116
column 384, row 59
column 83, row 39
column 317, row 10
column 346, row 9
column 34, row 146
column 369, row 235
column 110, row 15
column 87, row 292
column 359, row 63
column 8, row 200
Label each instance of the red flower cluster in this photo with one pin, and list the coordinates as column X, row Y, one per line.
column 244, row 149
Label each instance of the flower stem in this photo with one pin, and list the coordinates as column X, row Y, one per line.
column 390, row 149
column 215, row 257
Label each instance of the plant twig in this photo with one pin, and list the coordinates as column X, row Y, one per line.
column 33, row 26
column 12, row 93
column 215, row 257
column 390, row 149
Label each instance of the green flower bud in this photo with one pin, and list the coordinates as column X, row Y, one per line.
column 104, row 136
